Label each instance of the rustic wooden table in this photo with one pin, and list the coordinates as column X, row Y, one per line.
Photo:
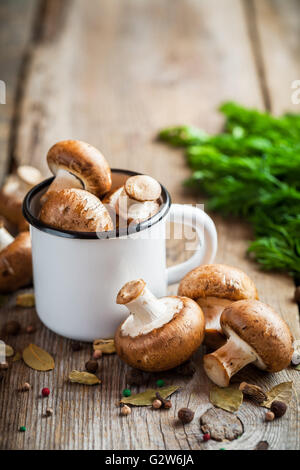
column 113, row 73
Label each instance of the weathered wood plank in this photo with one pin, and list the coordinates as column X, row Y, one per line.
column 113, row 74
column 15, row 32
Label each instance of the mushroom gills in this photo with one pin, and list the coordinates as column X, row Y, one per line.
column 222, row 364
column 212, row 308
column 148, row 313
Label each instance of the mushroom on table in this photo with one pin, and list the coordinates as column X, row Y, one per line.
column 15, row 261
column 256, row 334
column 78, row 165
column 159, row 334
column 76, row 210
column 214, row 287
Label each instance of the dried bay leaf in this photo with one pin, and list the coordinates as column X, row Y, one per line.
column 38, row 359
column 146, row 398
column 107, row 346
column 282, row 392
column 9, row 351
column 25, row 300
column 221, row 424
column 17, row 357
column 83, row 378
column 229, row 399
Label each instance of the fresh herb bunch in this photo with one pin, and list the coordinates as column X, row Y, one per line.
column 251, row 170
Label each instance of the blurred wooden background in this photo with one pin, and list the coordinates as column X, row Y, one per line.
column 113, row 72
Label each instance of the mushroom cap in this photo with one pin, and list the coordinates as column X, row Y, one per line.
column 261, row 328
column 75, row 209
column 16, row 264
column 217, row 280
column 84, row 161
column 165, row 347
column 143, row 188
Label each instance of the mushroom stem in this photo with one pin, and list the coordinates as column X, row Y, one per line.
column 146, row 307
column 63, row 180
column 222, row 364
column 5, row 238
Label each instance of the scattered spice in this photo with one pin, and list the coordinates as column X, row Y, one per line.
column 91, row 366
column 186, row 415
column 75, row 346
column 126, row 392
column 146, row 398
column 253, row 391
column 25, row 387
column 38, row 359
column 97, row 354
column 30, row 329
column 125, row 410
column 107, row 346
column 206, row 437
column 25, row 300
column 49, row 412
column 3, row 366
column 227, row 398
column 269, row 416
column 17, row 357
column 262, row 445
column 160, row 382
column 221, row 424
column 83, row 378
column 278, row 408
column 282, row 392
column 297, row 295
column 45, row 392
column 12, row 328
column 22, row 428
column 156, row 404
column 164, row 403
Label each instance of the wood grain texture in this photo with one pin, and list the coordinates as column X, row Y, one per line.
column 113, row 74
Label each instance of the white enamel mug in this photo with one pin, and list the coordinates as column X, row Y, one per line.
column 77, row 275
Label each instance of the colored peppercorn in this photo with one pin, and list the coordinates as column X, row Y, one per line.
column 206, row 437
column 160, row 383
column 186, row 415
column 45, row 392
column 278, row 408
column 126, row 392
column 22, row 429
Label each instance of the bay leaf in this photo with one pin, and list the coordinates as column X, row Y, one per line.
column 38, row 359
column 107, row 346
column 8, row 351
column 228, row 398
column 17, row 357
column 146, row 398
column 83, row 378
column 282, row 392
column 25, row 300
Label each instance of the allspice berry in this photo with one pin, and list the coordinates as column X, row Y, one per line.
column 26, row 387
column 12, row 328
column 156, row 404
column 125, row 410
column 269, row 416
column 278, row 408
column 186, row 415
column 91, row 366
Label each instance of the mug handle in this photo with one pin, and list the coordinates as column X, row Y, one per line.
column 207, row 235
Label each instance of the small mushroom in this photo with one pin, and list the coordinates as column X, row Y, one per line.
column 256, row 334
column 159, row 334
column 214, row 287
column 77, row 164
column 13, row 192
column 139, row 199
column 77, row 210
column 15, row 261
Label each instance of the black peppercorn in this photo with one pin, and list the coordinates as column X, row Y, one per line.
column 91, row 366
column 278, row 408
column 186, row 415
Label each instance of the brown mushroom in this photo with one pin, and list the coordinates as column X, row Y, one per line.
column 159, row 334
column 75, row 209
column 256, row 334
column 214, row 287
column 15, row 261
column 77, row 164
column 13, row 192
column 139, row 199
